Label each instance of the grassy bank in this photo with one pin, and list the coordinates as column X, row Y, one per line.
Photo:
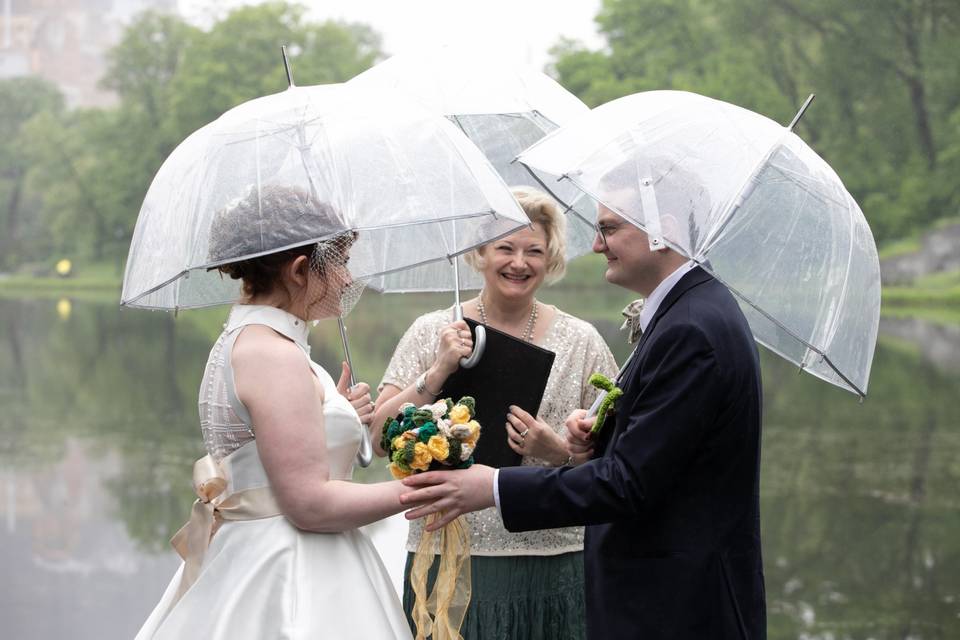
column 940, row 290
column 85, row 276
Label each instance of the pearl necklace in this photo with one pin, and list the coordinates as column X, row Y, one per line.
column 531, row 323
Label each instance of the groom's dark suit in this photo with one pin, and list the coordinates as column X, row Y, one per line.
column 673, row 543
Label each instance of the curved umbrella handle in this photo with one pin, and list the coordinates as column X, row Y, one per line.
column 479, row 344
column 365, row 452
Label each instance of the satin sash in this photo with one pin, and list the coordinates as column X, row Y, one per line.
column 209, row 510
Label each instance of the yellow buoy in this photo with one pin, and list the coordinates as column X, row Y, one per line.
column 64, row 267
column 64, row 307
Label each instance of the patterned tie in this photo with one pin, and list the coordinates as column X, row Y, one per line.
column 631, row 324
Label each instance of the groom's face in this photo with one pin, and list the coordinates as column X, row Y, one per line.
column 627, row 250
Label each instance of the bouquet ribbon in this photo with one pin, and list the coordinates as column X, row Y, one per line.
column 442, row 612
column 209, row 510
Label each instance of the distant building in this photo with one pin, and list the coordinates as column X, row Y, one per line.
column 66, row 41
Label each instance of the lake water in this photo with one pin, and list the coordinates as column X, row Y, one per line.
column 99, row 430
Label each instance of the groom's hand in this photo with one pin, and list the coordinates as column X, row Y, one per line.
column 451, row 492
column 579, row 438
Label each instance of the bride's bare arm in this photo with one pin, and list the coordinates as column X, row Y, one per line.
column 285, row 401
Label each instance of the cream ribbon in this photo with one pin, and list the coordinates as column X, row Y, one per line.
column 631, row 324
column 440, row 615
column 209, row 510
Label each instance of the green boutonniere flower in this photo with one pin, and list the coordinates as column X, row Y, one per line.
column 614, row 392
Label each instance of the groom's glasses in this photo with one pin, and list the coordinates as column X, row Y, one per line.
column 604, row 230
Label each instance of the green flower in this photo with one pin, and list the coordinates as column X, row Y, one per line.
column 408, row 452
column 422, row 416
column 398, row 459
column 455, row 450
column 391, row 429
column 614, row 392
column 469, row 403
column 427, row 431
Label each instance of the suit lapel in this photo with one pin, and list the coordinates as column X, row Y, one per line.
column 693, row 278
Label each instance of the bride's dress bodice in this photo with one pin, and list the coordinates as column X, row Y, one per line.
column 226, row 422
column 250, row 573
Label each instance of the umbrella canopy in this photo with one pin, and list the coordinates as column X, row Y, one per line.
column 751, row 203
column 503, row 107
column 377, row 164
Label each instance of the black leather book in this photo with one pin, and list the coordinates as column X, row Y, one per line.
column 510, row 372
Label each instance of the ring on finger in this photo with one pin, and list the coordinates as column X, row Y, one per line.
column 524, row 433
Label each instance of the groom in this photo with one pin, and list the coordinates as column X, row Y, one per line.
column 670, row 498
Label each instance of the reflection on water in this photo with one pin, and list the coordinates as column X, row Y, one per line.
column 861, row 514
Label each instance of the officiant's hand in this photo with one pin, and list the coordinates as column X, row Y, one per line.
column 452, row 492
column 531, row 437
column 579, row 438
column 455, row 342
column 358, row 395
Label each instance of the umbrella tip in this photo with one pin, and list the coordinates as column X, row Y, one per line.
column 286, row 66
column 803, row 109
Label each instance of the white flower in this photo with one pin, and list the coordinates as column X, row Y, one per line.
column 460, row 431
column 444, row 426
column 438, row 409
column 465, row 452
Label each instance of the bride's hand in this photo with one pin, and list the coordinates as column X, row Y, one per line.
column 531, row 437
column 358, row 395
column 455, row 342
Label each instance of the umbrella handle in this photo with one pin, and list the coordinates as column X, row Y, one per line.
column 595, row 407
column 479, row 344
column 365, row 452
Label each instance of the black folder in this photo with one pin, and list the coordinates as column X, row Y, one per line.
column 510, row 372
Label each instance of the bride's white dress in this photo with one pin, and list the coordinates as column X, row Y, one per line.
column 263, row 578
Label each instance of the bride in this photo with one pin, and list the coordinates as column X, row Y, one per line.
column 272, row 549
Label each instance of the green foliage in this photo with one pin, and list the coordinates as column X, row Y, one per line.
column 21, row 100
column 887, row 117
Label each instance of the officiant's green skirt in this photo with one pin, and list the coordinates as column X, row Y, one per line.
column 518, row 597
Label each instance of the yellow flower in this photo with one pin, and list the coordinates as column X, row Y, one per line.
column 421, row 457
column 398, row 443
column 459, row 414
column 439, row 447
column 474, row 433
column 398, row 472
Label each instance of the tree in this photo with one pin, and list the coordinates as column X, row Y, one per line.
column 239, row 59
column 20, row 100
column 886, row 75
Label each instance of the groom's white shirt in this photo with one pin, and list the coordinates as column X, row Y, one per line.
column 646, row 315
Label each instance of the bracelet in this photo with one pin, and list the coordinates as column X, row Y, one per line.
column 421, row 385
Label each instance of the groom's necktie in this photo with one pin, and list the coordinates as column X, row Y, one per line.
column 631, row 323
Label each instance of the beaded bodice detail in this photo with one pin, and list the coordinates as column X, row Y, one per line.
column 226, row 423
column 580, row 351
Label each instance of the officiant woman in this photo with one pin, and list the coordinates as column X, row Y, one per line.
column 524, row 585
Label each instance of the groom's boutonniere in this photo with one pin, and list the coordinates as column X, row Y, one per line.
column 613, row 393
column 631, row 320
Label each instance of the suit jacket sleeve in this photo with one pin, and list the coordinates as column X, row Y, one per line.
column 670, row 403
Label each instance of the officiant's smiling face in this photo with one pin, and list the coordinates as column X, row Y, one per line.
column 515, row 266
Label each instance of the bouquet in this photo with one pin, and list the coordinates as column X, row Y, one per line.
column 435, row 436
column 442, row 435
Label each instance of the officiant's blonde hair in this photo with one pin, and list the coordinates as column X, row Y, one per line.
column 543, row 210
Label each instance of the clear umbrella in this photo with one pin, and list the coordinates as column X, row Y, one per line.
column 503, row 107
column 751, row 203
column 393, row 175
